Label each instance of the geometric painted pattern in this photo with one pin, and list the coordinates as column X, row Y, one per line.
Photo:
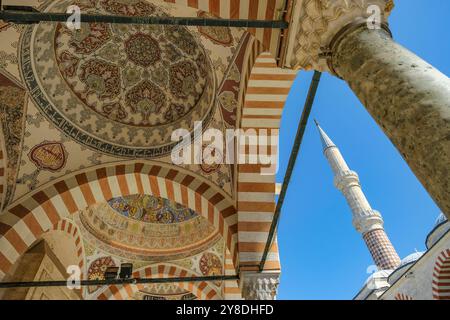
column 383, row 253
column 441, row 276
column 24, row 222
column 149, row 81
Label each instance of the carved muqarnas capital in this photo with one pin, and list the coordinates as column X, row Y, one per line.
column 260, row 286
column 316, row 22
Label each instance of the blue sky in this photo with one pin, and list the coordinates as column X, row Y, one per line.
column 322, row 256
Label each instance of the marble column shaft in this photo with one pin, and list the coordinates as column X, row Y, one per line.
column 407, row 97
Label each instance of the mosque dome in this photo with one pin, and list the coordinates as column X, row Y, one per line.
column 116, row 88
column 404, row 265
column 441, row 226
column 413, row 257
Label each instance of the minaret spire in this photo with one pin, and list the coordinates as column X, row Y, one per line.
column 326, row 141
column 366, row 221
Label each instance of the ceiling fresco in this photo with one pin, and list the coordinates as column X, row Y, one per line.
column 119, row 89
column 75, row 101
column 146, row 228
column 12, row 114
column 112, row 92
column 209, row 262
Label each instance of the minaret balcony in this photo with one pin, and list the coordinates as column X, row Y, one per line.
column 346, row 179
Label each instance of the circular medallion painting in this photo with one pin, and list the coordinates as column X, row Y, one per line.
column 120, row 89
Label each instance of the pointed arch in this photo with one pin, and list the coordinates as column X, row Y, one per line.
column 25, row 221
column 71, row 229
column 441, row 276
column 202, row 290
column 402, row 296
column 266, row 94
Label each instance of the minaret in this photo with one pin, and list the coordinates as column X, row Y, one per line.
column 366, row 221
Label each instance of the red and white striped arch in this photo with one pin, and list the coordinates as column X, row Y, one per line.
column 25, row 221
column 266, row 94
column 68, row 227
column 202, row 290
column 441, row 276
column 245, row 9
column 402, row 296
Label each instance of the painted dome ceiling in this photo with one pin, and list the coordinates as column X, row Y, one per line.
column 119, row 89
column 146, row 228
column 151, row 209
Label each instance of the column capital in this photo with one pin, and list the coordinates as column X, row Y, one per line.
column 315, row 23
column 259, row 285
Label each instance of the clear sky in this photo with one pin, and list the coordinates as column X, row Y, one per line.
column 322, row 256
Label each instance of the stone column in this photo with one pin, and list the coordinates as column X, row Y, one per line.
column 259, row 286
column 407, row 97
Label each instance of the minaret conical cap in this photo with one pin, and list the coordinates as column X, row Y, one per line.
column 326, row 141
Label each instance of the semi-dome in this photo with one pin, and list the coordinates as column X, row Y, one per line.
column 146, row 228
column 441, row 226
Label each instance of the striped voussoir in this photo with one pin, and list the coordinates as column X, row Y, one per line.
column 24, row 222
column 244, row 9
column 266, row 94
column 70, row 228
column 441, row 276
column 202, row 290
column 402, row 296
column 231, row 289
